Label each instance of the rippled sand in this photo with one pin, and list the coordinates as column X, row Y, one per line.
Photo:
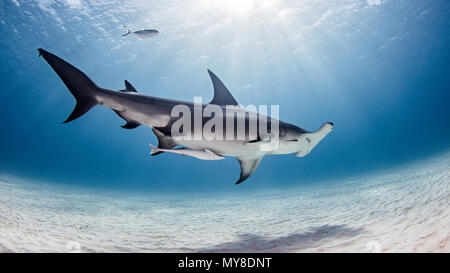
column 403, row 210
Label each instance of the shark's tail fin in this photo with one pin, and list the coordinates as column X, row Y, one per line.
column 81, row 87
column 128, row 31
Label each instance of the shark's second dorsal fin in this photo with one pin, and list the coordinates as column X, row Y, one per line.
column 222, row 96
column 129, row 87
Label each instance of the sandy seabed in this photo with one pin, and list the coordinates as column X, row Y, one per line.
column 402, row 210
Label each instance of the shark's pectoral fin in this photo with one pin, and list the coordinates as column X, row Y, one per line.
column 248, row 167
column 221, row 94
column 164, row 142
column 131, row 125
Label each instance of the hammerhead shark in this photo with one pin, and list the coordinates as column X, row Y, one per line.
column 158, row 114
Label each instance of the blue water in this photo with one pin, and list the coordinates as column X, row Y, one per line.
column 378, row 69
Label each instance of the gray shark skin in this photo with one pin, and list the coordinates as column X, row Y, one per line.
column 155, row 112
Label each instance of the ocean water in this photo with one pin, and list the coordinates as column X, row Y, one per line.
column 378, row 69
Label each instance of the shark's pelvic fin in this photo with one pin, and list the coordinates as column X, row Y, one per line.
column 248, row 167
column 222, row 96
column 129, row 87
column 81, row 87
column 164, row 142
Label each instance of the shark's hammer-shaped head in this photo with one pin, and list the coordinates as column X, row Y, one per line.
column 296, row 140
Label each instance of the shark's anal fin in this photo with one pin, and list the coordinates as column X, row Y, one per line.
column 131, row 124
column 222, row 96
column 248, row 167
column 164, row 142
column 129, row 87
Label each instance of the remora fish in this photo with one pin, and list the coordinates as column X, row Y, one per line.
column 204, row 155
column 154, row 112
column 141, row 34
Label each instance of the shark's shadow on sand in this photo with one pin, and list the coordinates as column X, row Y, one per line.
column 294, row 242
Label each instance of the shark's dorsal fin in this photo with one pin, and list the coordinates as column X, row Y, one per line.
column 248, row 167
column 222, row 96
column 129, row 87
column 164, row 142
